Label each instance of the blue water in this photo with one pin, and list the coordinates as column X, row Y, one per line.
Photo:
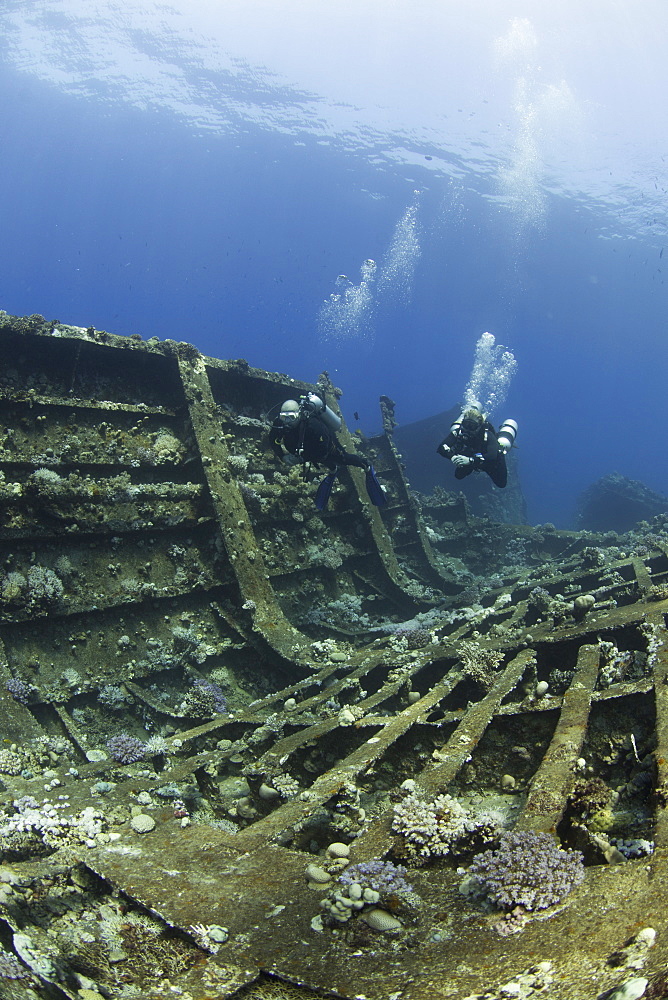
column 204, row 171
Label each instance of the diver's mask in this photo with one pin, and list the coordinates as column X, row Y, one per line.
column 471, row 424
column 289, row 414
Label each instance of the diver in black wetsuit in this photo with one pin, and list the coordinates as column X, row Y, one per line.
column 472, row 444
column 305, row 431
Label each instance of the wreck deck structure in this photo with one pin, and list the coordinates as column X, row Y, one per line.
column 164, row 580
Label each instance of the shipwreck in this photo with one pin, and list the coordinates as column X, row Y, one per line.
column 215, row 699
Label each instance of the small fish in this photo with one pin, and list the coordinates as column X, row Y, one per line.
column 356, row 414
column 661, row 254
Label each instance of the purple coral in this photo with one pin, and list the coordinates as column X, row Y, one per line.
column 527, row 870
column 383, row 876
column 214, row 692
column 20, row 691
column 416, row 636
column 203, row 700
column 126, row 749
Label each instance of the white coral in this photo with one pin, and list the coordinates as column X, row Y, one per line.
column 432, row 828
column 51, row 826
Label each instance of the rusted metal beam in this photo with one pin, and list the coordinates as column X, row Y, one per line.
column 553, row 782
column 233, row 521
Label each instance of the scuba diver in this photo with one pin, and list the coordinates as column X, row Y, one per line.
column 472, row 444
column 305, row 432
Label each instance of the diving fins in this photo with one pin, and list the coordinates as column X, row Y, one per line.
column 374, row 489
column 324, row 491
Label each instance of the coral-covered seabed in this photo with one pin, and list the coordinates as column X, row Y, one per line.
column 255, row 750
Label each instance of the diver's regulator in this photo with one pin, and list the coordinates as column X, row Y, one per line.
column 312, row 405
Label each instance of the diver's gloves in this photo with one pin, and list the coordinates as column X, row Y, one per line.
column 461, row 461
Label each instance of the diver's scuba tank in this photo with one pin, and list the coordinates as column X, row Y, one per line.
column 312, row 404
column 506, row 435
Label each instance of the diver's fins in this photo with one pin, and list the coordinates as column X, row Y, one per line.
column 324, row 491
column 374, row 489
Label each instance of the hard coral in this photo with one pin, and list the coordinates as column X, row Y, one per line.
column 44, row 586
column 589, row 797
column 20, row 690
column 126, row 749
column 204, row 699
column 431, row 828
column 527, row 870
column 416, row 636
column 12, row 587
column 383, row 876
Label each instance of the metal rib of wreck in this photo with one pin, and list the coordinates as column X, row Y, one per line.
column 214, row 697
